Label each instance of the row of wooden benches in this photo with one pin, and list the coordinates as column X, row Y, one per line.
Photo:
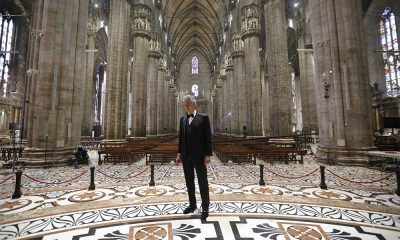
column 135, row 149
column 249, row 154
column 269, row 150
column 164, row 150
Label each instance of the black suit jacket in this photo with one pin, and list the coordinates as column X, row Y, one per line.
column 195, row 139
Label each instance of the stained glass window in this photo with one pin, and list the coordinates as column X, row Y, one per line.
column 195, row 90
column 6, row 31
column 195, row 65
column 391, row 58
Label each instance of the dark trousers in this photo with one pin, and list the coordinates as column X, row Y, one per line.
column 201, row 171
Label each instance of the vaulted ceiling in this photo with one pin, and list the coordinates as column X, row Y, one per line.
column 195, row 25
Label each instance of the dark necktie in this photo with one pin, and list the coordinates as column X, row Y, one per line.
column 190, row 115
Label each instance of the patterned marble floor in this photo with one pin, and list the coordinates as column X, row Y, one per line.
column 57, row 205
column 48, row 200
column 229, row 220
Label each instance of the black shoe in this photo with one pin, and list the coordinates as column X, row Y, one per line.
column 204, row 215
column 189, row 210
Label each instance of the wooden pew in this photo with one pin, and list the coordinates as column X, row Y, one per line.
column 235, row 152
column 112, row 151
column 248, row 150
column 164, row 153
column 133, row 149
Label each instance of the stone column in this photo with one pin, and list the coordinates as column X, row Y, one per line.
column 152, row 84
column 165, row 102
column 4, row 132
column 225, row 120
column 169, row 105
column 117, row 71
column 88, row 97
column 161, row 96
column 307, row 89
column 141, row 22
column 171, row 101
column 220, row 101
column 373, row 38
column 298, row 95
column 341, row 81
column 240, row 81
column 266, row 103
column 279, row 81
column 57, row 53
column 20, row 61
column 214, row 109
column 306, row 65
column 250, row 33
column 175, row 110
column 230, row 96
column 376, row 62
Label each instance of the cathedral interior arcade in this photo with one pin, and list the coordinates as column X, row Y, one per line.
column 302, row 96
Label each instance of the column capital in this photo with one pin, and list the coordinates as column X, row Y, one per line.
column 171, row 83
column 154, row 45
column 237, row 54
column 228, row 62
column 154, row 54
column 168, row 74
column 140, row 17
column 237, row 45
column 176, row 92
column 140, row 33
column 162, row 63
column 213, row 93
column 91, row 27
column 250, row 20
column 218, row 84
column 167, row 77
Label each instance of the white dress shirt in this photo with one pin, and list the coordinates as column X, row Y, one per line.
column 191, row 118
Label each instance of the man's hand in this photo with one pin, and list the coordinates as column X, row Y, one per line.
column 207, row 160
column 178, row 159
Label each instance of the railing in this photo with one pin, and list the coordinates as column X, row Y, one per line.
column 322, row 185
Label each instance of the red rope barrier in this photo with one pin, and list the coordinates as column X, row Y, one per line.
column 360, row 182
column 6, row 179
column 56, row 183
column 292, row 177
column 118, row 178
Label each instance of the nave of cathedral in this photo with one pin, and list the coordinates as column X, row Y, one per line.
column 303, row 98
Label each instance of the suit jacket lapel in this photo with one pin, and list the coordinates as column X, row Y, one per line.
column 194, row 119
column 185, row 121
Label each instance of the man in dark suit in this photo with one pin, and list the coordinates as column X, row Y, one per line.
column 194, row 151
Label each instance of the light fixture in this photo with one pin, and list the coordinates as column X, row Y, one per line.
column 296, row 4
column 96, row 5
